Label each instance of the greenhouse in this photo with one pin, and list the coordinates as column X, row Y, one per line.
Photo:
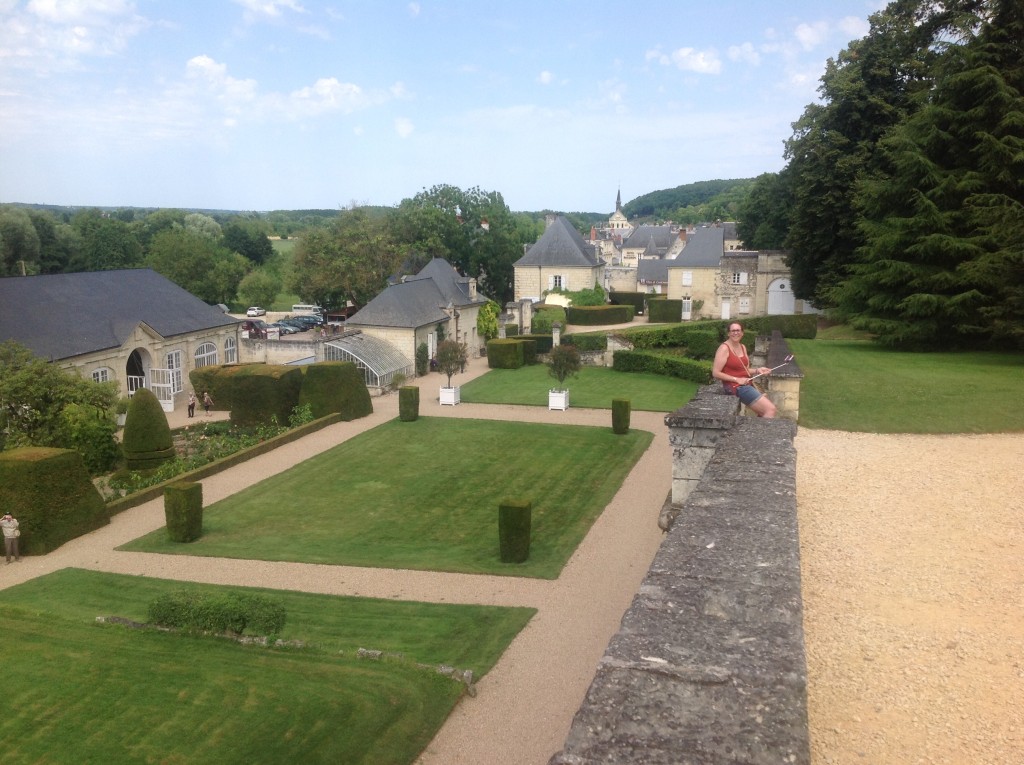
column 379, row 360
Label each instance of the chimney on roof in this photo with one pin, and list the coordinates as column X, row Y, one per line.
column 593, row 233
column 549, row 219
column 472, row 288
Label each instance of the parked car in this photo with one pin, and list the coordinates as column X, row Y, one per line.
column 283, row 328
column 256, row 311
column 297, row 326
column 255, row 328
column 309, row 320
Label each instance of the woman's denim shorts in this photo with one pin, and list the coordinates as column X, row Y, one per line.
column 748, row 394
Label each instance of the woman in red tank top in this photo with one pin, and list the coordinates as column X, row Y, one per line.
column 732, row 367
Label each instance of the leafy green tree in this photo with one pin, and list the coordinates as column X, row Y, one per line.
column 487, row 320
column 259, row 287
column 246, row 238
column 943, row 263
column 203, row 225
column 196, row 263
column 451, row 358
column 157, row 221
column 867, row 90
column 19, row 242
column 763, row 216
column 34, row 394
column 351, row 259
column 58, row 242
column 564, row 362
column 106, row 243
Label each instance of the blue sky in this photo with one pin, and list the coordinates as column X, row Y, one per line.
column 295, row 104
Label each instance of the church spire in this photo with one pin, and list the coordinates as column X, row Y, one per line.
column 618, row 201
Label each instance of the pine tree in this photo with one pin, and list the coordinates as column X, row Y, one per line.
column 944, row 223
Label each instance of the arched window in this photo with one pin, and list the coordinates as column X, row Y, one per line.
column 230, row 351
column 206, row 355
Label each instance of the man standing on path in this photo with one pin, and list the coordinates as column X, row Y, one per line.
column 11, row 533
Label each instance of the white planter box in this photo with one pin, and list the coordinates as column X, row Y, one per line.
column 450, row 396
column 558, row 399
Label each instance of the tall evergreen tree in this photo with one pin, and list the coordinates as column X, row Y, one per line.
column 866, row 90
column 943, row 262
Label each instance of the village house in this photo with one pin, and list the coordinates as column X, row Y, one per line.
column 131, row 327
column 560, row 260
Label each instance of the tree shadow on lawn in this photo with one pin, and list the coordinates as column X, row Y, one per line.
column 424, row 495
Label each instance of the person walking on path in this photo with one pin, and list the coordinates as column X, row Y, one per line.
column 192, row 404
column 207, row 403
column 11, row 533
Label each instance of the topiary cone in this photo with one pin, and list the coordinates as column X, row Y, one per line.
column 147, row 442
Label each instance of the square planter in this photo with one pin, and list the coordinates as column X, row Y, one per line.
column 558, row 399
column 450, row 396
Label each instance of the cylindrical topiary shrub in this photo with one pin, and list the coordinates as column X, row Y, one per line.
column 147, row 442
column 408, row 403
column 621, row 408
column 183, row 509
column 514, row 519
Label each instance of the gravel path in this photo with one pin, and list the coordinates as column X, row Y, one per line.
column 912, row 580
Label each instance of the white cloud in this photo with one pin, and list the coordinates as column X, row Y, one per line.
column 78, row 11
column 745, row 54
column 232, row 92
column 545, row 78
column 688, row 59
column 256, row 9
column 404, row 127
column 854, row 27
column 810, row 36
column 414, row 9
column 326, row 95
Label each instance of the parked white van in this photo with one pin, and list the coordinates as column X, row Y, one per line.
column 304, row 308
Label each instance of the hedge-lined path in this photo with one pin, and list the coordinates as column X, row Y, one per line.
column 526, row 702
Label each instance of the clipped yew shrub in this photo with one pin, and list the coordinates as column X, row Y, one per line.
column 50, row 493
column 256, row 394
column 146, row 441
column 621, row 409
column 593, row 315
column 335, row 386
column 542, row 344
column 231, row 612
column 675, row 366
column 664, row 310
column 514, row 520
column 635, row 299
column 183, row 511
column 504, row 354
column 408, row 403
column 587, row 342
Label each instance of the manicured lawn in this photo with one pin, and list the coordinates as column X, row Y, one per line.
column 592, row 388
column 75, row 691
column 858, row 386
column 424, row 495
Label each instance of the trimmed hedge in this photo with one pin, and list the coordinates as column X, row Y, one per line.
column 408, row 403
column 621, row 408
column 51, row 494
column 635, row 299
column 231, row 612
column 335, row 386
column 514, row 520
column 504, row 354
column 664, row 310
column 183, row 511
column 587, row 342
column 644, row 361
column 542, row 342
column 593, row 315
column 146, row 441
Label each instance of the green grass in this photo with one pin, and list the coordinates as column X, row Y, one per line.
column 858, row 386
column 424, row 495
column 592, row 388
column 76, row 691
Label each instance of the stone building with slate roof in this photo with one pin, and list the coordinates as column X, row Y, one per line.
column 560, row 259
column 133, row 327
column 411, row 312
column 649, row 242
column 730, row 283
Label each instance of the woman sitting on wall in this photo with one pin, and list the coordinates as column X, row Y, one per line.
column 732, row 367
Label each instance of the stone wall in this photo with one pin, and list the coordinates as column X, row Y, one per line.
column 708, row 665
